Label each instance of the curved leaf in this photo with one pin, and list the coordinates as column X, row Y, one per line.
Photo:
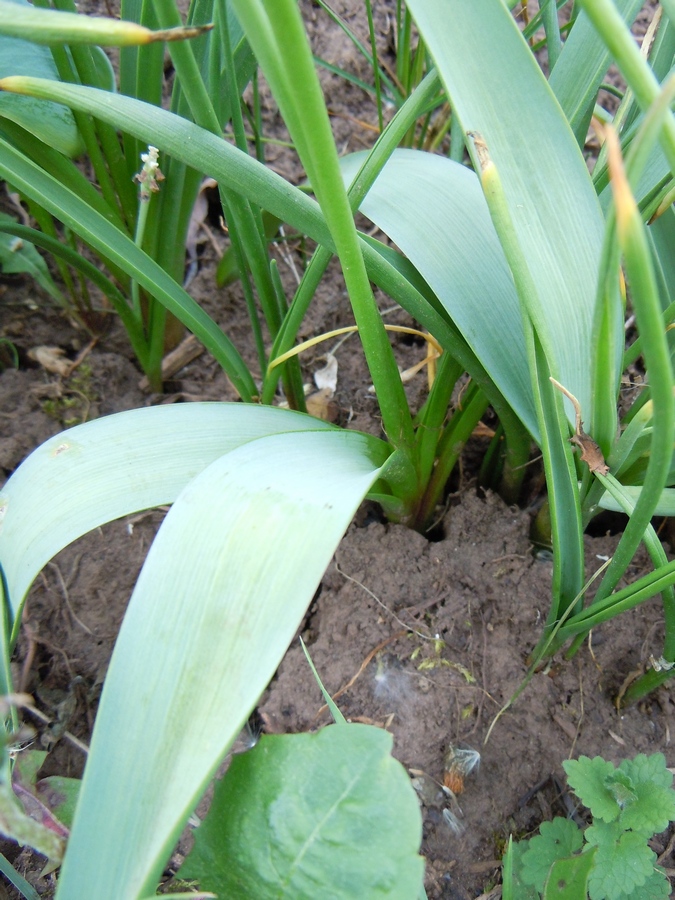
column 435, row 212
column 113, row 466
column 224, row 587
column 497, row 89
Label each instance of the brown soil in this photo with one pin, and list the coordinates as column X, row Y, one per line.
column 431, row 637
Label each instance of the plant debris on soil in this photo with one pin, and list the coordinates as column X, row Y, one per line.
column 429, row 639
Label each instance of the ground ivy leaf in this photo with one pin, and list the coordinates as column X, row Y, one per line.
column 652, row 810
column 330, row 815
column 521, row 890
column 623, row 862
column 646, row 769
column 556, row 840
column 588, row 779
column 656, row 887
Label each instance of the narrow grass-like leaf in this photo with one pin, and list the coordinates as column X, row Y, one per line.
column 50, row 122
column 217, row 158
column 276, row 32
column 581, row 67
column 634, row 67
column 62, row 251
column 24, row 887
column 45, row 26
column 224, row 587
column 338, row 718
column 17, row 255
column 647, row 307
column 112, row 243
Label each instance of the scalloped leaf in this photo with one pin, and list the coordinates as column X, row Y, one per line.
column 651, row 811
column 623, row 861
column 556, row 840
column 645, row 769
column 588, row 779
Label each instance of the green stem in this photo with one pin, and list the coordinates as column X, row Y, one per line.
column 376, row 159
column 431, row 418
column 455, row 435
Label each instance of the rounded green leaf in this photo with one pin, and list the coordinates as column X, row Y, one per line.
column 302, row 816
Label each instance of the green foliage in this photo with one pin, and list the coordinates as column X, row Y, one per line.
column 318, row 798
column 19, row 257
column 610, row 859
column 556, row 840
column 512, row 267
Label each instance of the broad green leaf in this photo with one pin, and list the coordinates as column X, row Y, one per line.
column 568, row 878
column 520, row 890
column 652, row 810
column 623, row 861
column 17, row 255
column 496, row 88
column 581, row 68
column 52, row 123
column 113, row 466
column 223, row 590
column 656, row 887
column 556, row 840
column 435, row 212
column 587, row 778
column 302, row 816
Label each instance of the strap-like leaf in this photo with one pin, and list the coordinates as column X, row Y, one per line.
column 222, row 592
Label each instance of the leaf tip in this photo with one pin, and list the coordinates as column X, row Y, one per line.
column 624, row 201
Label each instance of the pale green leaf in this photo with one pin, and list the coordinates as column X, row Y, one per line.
column 496, row 88
column 665, row 505
column 435, row 212
column 113, row 466
column 222, row 592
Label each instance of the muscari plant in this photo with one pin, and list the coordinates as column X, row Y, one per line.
column 50, row 136
column 513, row 268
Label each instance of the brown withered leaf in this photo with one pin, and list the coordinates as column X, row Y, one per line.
column 591, row 454
column 53, row 359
